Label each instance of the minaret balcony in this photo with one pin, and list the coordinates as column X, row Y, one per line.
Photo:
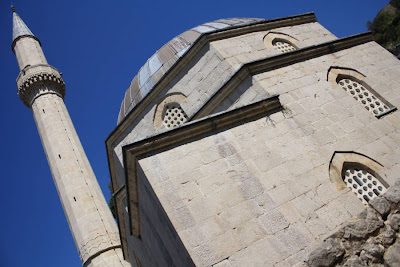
column 37, row 80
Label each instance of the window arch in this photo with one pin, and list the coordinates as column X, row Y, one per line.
column 353, row 83
column 280, row 41
column 173, row 115
column 169, row 112
column 283, row 46
column 359, row 173
column 365, row 183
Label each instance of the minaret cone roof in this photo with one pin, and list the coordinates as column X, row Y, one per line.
column 19, row 27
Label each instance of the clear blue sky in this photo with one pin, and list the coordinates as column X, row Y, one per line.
column 99, row 46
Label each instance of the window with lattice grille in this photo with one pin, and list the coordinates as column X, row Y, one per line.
column 363, row 183
column 368, row 99
column 283, row 46
column 174, row 115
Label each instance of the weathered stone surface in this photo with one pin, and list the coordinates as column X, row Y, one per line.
column 392, row 255
column 354, row 261
column 367, row 239
column 387, row 237
column 393, row 194
column 326, row 255
column 372, row 253
column 394, row 221
column 368, row 223
column 381, row 205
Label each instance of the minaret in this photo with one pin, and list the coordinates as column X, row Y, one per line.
column 42, row 89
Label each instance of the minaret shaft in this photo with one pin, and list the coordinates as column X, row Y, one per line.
column 84, row 205
column 29, row 52
column 41, row 88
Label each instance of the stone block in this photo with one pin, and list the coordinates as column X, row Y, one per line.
column 265, row 201
column 305, row 205
column 317, row 227
column 270, row 160
column 273, row 221
column 293, row 239
column 203, row 208
column 225, row 245
column 296, row 260
column 255, row 255
column 333, row 214
column 249, row 233
column 281, row 194
column 251, row 187
column 324, row 136
column 240, row 214
column 290, row 213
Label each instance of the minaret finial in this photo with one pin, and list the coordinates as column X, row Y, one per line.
column 13, row 8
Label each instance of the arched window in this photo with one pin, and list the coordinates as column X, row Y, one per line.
column 363, row 182
column 280, row 41
column 173, row 115
column 353, row 82
column 359, row 173
column 283, row 46
column 170, row 111
column 364, row 96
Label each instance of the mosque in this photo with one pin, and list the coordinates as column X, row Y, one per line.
column 240, row 142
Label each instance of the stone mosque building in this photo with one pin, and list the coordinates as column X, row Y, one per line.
column 240, row 142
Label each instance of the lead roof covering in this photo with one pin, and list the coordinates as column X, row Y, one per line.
column 159, row 63
column 20, row 28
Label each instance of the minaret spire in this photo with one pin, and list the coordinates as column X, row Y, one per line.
column 20, row 29
column 42, row 89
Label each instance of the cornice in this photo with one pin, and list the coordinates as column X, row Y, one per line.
column 276, row 62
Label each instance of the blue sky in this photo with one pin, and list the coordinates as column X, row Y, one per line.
column 99, row 46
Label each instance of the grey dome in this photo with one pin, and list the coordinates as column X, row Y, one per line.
column 159, row 63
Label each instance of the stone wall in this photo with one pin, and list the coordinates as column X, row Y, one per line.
column 265, row 185
column 202, row 76
column 370, row 239
column 255, row 188
column 208, row 71
column 260, row 194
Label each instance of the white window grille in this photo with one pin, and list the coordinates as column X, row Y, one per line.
column 174, row 115
column 370, row 101
column 363, row 183
column 283, row 46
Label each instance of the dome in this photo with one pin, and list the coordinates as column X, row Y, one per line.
column 159, row 63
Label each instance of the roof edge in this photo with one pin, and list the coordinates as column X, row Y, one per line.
column 219, row 35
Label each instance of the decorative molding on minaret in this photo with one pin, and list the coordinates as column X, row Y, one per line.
column 33, row 81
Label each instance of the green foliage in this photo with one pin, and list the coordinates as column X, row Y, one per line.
column 395, row 3
column 111, row 203
column 386, row 26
